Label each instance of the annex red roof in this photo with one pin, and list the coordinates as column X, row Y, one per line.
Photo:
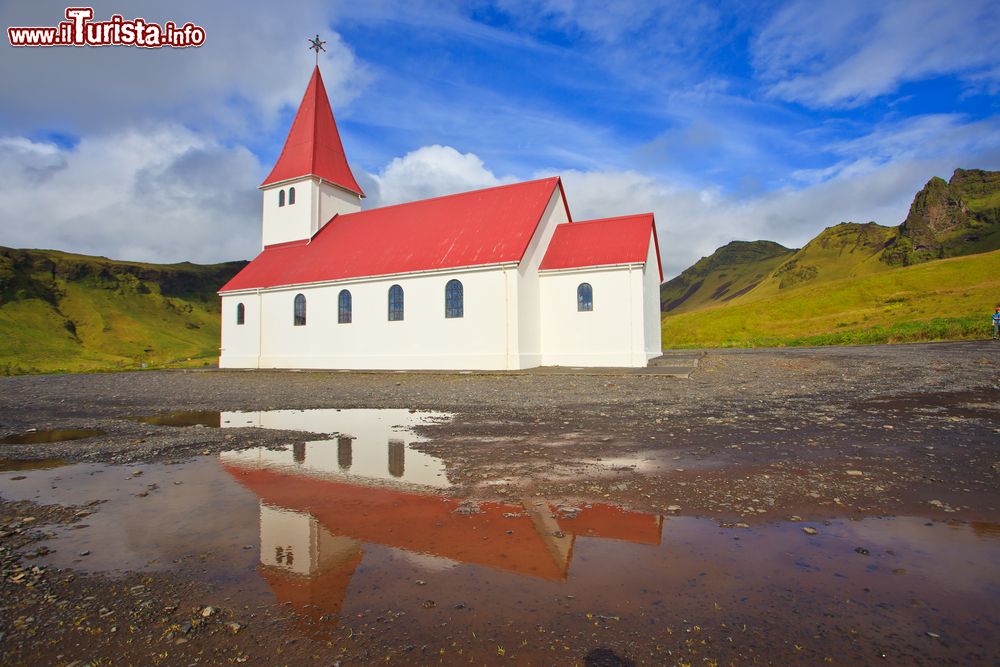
column 313, row 145
column 490, row 226
column 622, row 240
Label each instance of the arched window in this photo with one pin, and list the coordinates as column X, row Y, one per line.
column 344, row 307
column 397, row 458
column 281, row 198
column 584, row 297
column 454, row 301
column 300, row 310
column 344, row 455
column 291, row 196
column 241, row 314
column 395, row 303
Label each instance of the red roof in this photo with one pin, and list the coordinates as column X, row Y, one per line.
column 490, row 226
column 313, row 145
column 623, row 240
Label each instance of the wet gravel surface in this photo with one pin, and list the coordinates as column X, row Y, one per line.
column 751, row 437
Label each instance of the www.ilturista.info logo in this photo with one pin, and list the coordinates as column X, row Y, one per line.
column 79, row 30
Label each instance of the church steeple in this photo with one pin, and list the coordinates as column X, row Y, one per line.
column 311, row 182
column 313, row 146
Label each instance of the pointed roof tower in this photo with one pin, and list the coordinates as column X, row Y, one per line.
column 313, row 146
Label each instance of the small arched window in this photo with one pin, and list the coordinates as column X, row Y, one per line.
column 281, row 198
column 397, row 458
column 395, row 303
column 454, row 301
column 344, row 307
column 300, row 310
column 241, row 314
column 584, row 297
column 291, row 196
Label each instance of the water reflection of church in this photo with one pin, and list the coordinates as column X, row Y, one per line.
column 317, row 514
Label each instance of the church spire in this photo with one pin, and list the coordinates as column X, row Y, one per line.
column 313, row 146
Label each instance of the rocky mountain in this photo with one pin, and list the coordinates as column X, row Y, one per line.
column 60, row 311
column 950, row 218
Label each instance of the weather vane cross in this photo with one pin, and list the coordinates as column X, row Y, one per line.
column 317, row 46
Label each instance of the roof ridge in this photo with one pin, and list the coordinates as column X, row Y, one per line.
column 611, row 219
column 453, row 194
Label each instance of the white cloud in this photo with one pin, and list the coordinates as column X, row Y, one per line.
column 847, row 52
column 254, row 62
column 876, row 179
column 162, row 194
column 430, row 171
column 168, row 194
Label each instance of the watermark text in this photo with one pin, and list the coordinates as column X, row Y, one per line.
column 79, row 29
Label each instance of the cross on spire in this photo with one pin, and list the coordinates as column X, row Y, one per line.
column 317, row 46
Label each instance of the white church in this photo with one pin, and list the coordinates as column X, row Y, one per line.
column 495, row 279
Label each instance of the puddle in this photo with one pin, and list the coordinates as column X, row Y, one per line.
column 348, row 537
column 10, row 465
column 202, row 418
column 371, row 444
column 59, row 435
column 656, row 462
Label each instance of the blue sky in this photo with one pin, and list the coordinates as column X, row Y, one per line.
column 729, row 121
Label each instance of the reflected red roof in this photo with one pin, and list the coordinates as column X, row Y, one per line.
column 490, row 226
column 621, row 240
column 430, row 525
column 313, row 145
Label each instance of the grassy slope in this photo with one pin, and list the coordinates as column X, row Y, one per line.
column 729, row 272
column 847, row 250
column 64, row 312
column 939, row 300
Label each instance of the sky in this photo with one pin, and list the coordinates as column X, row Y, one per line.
column 728, row 120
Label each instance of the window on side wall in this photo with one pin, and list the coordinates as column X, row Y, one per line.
column 395, row 303
column 584, row 298
column 241, row 314
column 291, row 196
column 281, row 198
column 300, row 310
column 344, row 307
column 454, row 299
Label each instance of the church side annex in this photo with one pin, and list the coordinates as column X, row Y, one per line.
column 495, row 279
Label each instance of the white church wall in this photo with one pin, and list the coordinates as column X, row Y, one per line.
column 240, row 342
column 651, row 303
column 333, row 201
column 529, row 321
column 605, row 336
column 315, row 203
column 424, row 339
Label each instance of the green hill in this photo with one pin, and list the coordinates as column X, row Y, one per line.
column 730, row 272
column 943, row 300
column 65, row 312
column 854, row 282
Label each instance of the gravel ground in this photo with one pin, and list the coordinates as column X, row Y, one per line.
column 751, row 437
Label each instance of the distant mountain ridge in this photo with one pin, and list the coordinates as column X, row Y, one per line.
column 946, row 219
column 61, row 311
